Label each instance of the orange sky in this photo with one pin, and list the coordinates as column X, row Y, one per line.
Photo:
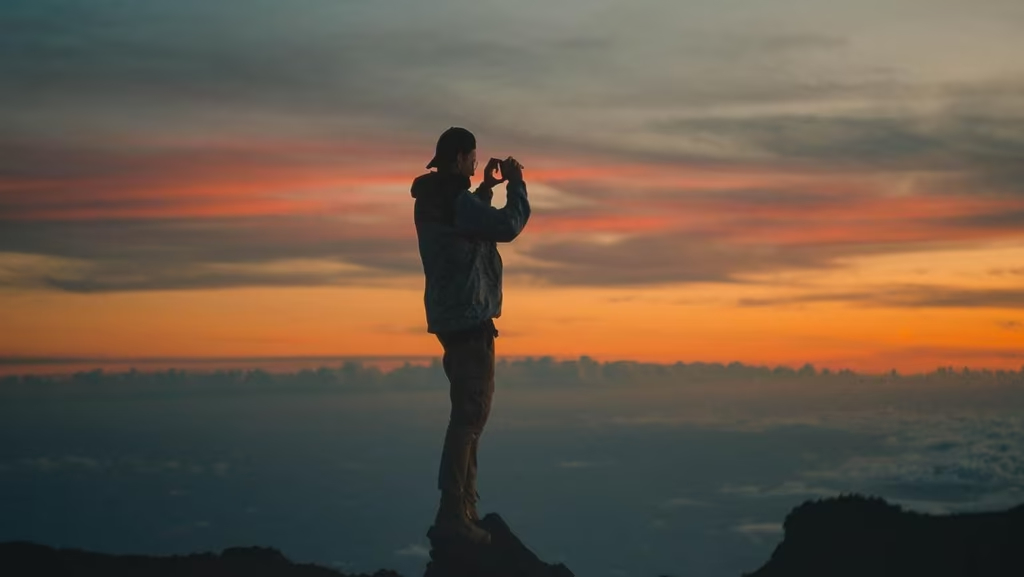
column 771, row 183
column 904, row 289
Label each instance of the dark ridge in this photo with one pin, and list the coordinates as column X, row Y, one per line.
column 855, row 535
column 21, row 558
column 848, row 536
column 506, row 556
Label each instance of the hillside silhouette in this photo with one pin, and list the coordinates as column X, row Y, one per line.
column 837, row 537
column 855, row 536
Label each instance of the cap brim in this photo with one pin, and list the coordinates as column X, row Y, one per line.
column 432, row 163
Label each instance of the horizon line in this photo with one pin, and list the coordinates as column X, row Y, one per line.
column 15, row 361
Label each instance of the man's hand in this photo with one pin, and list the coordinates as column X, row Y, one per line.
column 511, row 169
column 489, row 180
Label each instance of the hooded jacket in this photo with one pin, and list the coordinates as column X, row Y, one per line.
column 458, row 232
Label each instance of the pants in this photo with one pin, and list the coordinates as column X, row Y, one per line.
column 469, row 365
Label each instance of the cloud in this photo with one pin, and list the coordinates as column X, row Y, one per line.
column 906, row 296
column 949, row 462
column 414, row 550
column 87, row 256
column 1002, row 220
column 132, row 57
column 203, row 163
column 127, row 463
column 786, row 489
column 674, row 257
column 968, row 152
column 759, row 532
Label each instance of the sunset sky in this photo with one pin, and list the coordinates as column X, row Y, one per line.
column 840, row 183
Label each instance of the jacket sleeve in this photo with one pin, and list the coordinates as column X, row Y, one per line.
column 475, row 218
column 484, row 194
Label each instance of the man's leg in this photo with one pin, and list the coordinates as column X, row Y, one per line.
column 470, row 489
column 469, row 365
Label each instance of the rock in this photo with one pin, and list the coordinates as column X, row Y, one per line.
column 505, row 556
column 23, row 558
column 853, row 536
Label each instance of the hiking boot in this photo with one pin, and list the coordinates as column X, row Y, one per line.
column 452, row 522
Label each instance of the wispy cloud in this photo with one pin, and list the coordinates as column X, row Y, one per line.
column 126, row 463
column 670, row 143
column 786, row 489
column 907, row 296
column 414, row 550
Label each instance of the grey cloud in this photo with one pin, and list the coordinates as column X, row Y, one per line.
column 184, row 253
column 89, row 169
column 757, row 532
column 963, row 151
column 786, row 489
column 129, row 66
column 66, row 68
column 941, row 459
column 130, row 464
column 1005, row 219
column 678, row 257
column 414, row 550
column 158, row 66
column 872, row 140
column 192, row 51
column 195, row 253
column 900, row 141
column 732, row 203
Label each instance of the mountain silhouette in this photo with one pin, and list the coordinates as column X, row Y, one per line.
column 21, row 558
column 844, row 536
column 856, row 536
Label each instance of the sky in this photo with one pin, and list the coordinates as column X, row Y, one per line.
column 829, row 182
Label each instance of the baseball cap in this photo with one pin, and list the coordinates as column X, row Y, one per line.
column 452, row 141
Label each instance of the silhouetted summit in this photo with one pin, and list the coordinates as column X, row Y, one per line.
column 21, row 558
column 856, row 536
column 506, row 556
column 838, row 537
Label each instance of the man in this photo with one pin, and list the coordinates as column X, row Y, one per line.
column 458, row 232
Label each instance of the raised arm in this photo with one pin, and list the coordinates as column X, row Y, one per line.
column 484, row 193
column 475, row 217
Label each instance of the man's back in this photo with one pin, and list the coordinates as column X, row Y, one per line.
column 458, row 232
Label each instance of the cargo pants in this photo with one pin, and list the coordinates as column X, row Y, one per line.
column 469, row 365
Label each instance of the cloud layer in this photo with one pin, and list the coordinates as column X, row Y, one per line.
column 193, row 145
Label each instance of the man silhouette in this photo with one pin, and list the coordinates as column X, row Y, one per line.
column 458, row 231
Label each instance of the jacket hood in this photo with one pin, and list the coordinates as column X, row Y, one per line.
column 434, row 182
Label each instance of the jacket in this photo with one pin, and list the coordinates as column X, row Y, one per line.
column 458, row 231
